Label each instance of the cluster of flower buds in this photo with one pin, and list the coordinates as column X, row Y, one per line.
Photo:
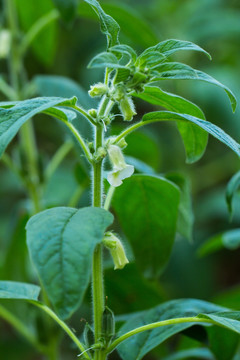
column 98, row 89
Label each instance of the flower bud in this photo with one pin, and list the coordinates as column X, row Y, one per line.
column 122, row 143
column 100, row 154
column 116, row 250
column 127, row 108
column 98, row 90
column 92, row 113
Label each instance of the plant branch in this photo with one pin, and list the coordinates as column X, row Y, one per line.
column 109, row 196
column 84, row 113
column 80, row 140
column 7, row 90
column 155, row 325
column 63, row 325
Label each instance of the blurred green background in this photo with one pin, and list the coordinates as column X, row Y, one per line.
column 63, row 51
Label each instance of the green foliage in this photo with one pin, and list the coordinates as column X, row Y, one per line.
column 145, row 221
column 228, row 239
column 12, row 119
column 61, row 242
column 232, row 188
column 139, row 345
column 17, row 290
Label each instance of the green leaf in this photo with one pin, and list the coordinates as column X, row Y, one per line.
column 205, row 125
column 109, row 26
column 194, row 138
column 139, row 345
column 147, row 208
column 67, row 8
column 105, row 59
column 232, row 188
column 195, row 353
column 61, row 242
column 18, row 290
column 228, row 319
column 185, row 214
column 169, row 47
column 175, row 70
column 229, row 239
column 13, row 118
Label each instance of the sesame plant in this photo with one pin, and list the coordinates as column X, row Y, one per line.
column 66, row 244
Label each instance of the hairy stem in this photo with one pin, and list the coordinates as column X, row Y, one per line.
column 155, row 325
column 97, row 270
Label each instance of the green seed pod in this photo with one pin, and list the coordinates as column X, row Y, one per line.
column 88, row 335
column 108, row 325
column 127, row 108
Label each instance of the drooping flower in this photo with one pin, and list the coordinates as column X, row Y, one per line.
column 114, row 244
column 121, row 170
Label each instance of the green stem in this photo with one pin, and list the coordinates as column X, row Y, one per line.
column 39, row 25
column 97, row 269
column 63, row 325
column 151, row 326
column 84, row 113
column 131, row 128
column 21, row 328
column 109, row 196
column 80, row 140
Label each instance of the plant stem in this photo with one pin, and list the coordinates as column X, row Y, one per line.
column 63, row 325
column 21, row 328
column 80, row 140
column 109, row 196
column 151, row 326
column 97, row 270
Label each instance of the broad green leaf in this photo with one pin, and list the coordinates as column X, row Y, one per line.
column 45, row 44
column 139, row 345
column 67, row 8
column 139, row 165
column 61, row 242
column 229, row 319
column 185, row 214
column 194, row 138
column 205, row 125
column 13, row 118
column 232, row 188
column 18, row 290
column 147, row 208
column 175, row 70
column 109, row 26
column 195, row 353
column 169, row 47
column 105, row 59
column 229, row 239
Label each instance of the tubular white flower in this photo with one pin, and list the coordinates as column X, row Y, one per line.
column 121, row 170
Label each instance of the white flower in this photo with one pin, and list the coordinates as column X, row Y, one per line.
column 121, row 170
